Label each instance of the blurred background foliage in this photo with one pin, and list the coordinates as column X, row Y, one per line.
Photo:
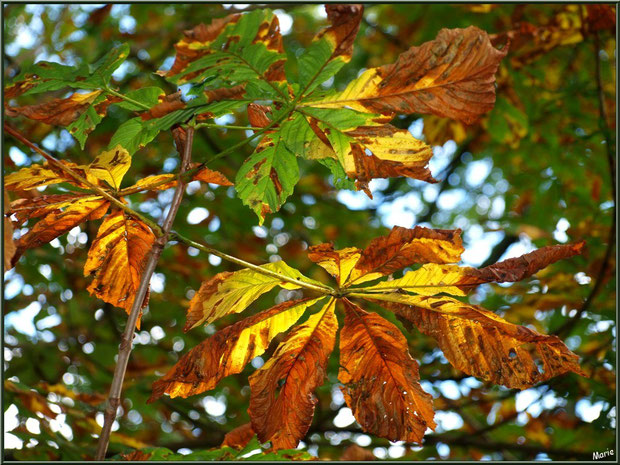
column 535, row 171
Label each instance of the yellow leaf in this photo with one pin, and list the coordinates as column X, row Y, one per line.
column 228, row 351
column 8, row 244
column 116, row 259
column 111, row 166
column 227, row 292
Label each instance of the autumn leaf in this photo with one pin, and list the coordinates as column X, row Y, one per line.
column 402, row 247
column 47, row 174
column 228, row 351
column 380, row 378
column 332, row 48
column 292, row 373
column 116, row 259
column 239, row 437
column 452, row 76
column 8, row 243
column 61, row 221
column 228, row 292
column 111, row 166
column 59, row 112
column 237, row 50
column 481, row 344
column 167, row 181
column 431, row 279
column 267, row 178
column 167, row 104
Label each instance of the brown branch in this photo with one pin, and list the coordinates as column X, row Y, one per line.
column 114, row 397
column 567, row 327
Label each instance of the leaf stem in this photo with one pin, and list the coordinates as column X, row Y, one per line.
column 225, row 126
column 114, row 397
column 322, row 289
column 127, row 99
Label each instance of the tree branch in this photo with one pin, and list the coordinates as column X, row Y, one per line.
column 114, row 397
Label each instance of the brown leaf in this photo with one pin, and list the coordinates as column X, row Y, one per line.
column 59, row 112
column 519, row 268
column 117, row 257
column 9, row 244
column 601, row 16
column 481, row 344
column 452, row 76
column 294, row 372
column 386, row 254
column 355, row 453
column 137, row 456
column 345, row 22
column 228, row 351
column 239, row 437
column 213, row 177
column 381, row 380
column 200, row 34
column 167, row 104
column 25, row 209
column 59, row 222
column 257, row 115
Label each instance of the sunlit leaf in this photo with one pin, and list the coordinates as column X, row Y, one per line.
column 228, row 351
column 292, row 374
column 111, row 166
column 381, row 380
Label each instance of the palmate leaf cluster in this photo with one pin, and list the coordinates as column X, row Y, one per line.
column 238, row 63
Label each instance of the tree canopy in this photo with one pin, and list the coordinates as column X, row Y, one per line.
column 402, row 247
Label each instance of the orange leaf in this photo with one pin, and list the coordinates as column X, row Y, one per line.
column 381, row 380
column 9, row 244
column 345, row 22
column 60, row 112
column 239, row 437
column 59, row 222
column 228, row 351
column 482, row 344
column 116, row 259
column 297, row 367
column 167, row 104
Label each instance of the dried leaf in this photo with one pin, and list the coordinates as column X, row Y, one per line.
column 228, row 351
column 228, row 292
column 59, row 222
column 117, row 257
column 386, row 254
column 294, row 372
column 9, row 244
column 158, row 182
column 452, row 76
column 59, row 112
column 110, row 166
column 432, row 279
column 167, row 104
column 239, row 437
column 47, row 174
column 22, row 210
column 481, row 344
column 381, row 380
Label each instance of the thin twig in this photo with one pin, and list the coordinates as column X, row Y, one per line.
column 114, row 397
column 102, row 192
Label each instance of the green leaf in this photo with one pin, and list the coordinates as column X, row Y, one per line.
column 146, row 95
column 86, row 123
column 340, row 178
column 133, row 135
column 101, row 71
column 268, row 176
